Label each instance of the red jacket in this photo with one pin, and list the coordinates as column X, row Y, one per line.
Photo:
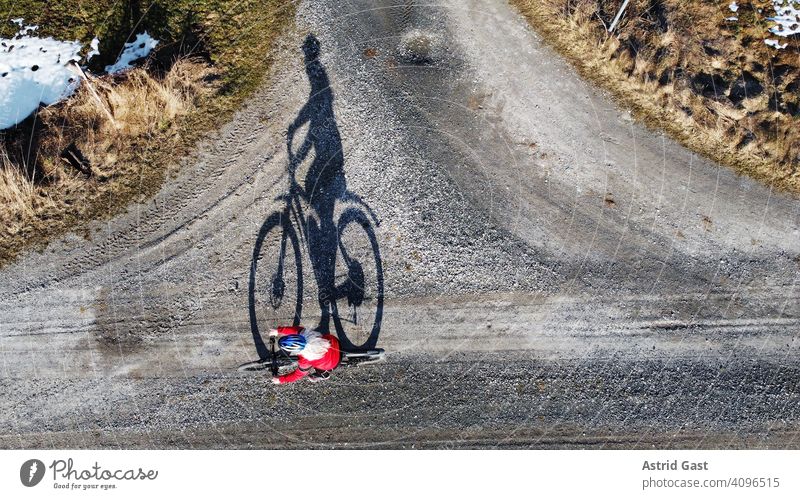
column 327, row 362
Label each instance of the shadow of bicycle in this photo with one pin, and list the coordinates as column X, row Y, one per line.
column 320, row 218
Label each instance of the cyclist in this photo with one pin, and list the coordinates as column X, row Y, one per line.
column 317, row 354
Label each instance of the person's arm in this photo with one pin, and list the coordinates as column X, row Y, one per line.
column 285, row 330
column 302, row 117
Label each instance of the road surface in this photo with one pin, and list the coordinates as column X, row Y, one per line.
column 544, row 271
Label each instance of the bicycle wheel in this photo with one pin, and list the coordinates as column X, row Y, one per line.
column 276, row 279
column 266, row 364
column 365, row 357
column 358, row 308
column 378, row 352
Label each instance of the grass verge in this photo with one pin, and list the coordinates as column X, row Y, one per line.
column 134, row 129
column 685, row 67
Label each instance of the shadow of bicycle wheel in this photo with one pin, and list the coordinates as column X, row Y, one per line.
column 275, row 285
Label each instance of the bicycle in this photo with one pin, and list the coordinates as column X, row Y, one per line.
column 281, row 363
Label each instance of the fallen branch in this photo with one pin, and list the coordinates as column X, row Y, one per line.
column 72, row 155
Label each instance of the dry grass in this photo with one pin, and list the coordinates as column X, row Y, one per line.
column 711, row 83
column 112, row 123
column 17, row 195
column 106, row 118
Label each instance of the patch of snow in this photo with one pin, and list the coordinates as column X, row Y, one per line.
column 787, row 18
column 27, row 30
column 137, row 49
column 733, row 7
column 95, row 46
column 24, row 30
column 34, row 71
column 775, row 43
column 732, row 18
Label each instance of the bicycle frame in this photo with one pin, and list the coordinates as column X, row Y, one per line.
column 297, row 194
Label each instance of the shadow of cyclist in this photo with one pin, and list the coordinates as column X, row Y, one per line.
column 324, row 182
column 323, row 186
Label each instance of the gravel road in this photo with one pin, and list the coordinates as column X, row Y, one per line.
column 542, row 270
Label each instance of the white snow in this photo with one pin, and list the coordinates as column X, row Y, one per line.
column 34, row 71
column 95, row 46
column 733, row 7
column 137, row 49
column 787, row 17
column 775, row 43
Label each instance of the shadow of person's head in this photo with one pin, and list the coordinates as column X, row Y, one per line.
column 311, row 48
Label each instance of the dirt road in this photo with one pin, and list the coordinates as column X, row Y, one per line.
column 542, row 270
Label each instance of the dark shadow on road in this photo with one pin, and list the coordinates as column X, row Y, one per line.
column 343, row 249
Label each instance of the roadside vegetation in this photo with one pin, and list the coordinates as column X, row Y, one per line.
column 130, row 130
column 701, row 70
